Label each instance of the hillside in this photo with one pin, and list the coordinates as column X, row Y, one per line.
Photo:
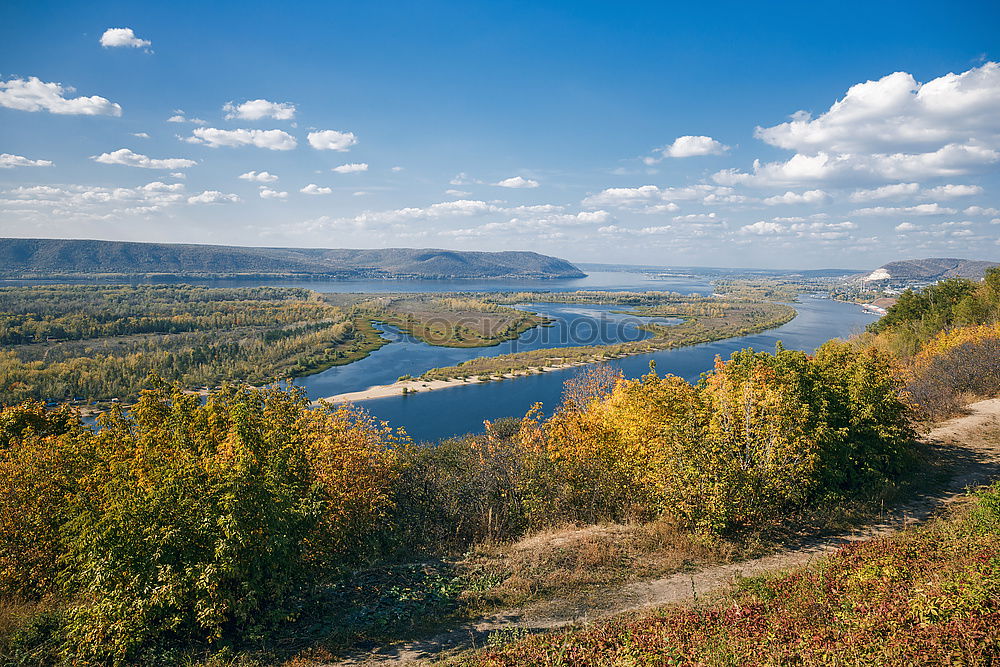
column 58, row 257
column 932, row 268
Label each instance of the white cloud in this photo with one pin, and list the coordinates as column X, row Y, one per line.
column 259, row 176
column 275, row 140
column 397, row 168
column 905, row 227
column 898, row 114
column 179, row 117
column 950, row 191
column 919, row 209
column 690, row 146
column 332, row 140
column 7, row 161
column 258, row 109
column 351, row 168
column 33, row 94
column 313, row 189
column 457, row 193
column 979, row 210
column 213, row 197
column 648, row 195
column 696, row 217
column 141, row 135
column 669, row 207
column 894, row 191
column 801, row 169
column 84, row 202
column 114, row 37
column 893, row 129
column 807, row 197
column 517, row 182
column 763, row 228
column 178, row 174
column 268, row 193
column 128, row 158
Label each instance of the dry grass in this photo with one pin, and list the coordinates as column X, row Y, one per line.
column 576, row 564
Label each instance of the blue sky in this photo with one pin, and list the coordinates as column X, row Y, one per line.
column 608, row 132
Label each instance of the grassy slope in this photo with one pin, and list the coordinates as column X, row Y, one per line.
column 928, row 595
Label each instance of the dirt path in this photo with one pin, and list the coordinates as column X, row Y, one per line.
column 973, row 439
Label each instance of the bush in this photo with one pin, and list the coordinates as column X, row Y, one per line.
column 461, row 491
column 942, row 383
column 183, row 523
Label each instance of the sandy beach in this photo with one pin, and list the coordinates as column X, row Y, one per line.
column 418, row 386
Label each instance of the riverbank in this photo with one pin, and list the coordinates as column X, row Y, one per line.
column 416, row 386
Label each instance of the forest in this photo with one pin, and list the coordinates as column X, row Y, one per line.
column 101, row 342
column 251, row 528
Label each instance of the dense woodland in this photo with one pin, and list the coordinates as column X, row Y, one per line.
column 101, row 342
column 251, row 525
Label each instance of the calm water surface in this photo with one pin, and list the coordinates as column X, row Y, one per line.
column 572, row 324
column 596, row 280
column 462, row 409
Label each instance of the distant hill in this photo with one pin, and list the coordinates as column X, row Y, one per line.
column 55, row 257
column 933, row 268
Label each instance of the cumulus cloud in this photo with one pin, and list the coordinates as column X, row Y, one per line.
column 517, row 182
column 33, row 94
column 275, row 140
column 213, row 197
column 905, row 227
column 457, row 193
column 85, row 202
column 807, row 197
column 332, row 140
column 179, row 117
column 896, row 113
column 802, row 169
column 979, row 210
column 268, row 193
column 141, row 135
column 313, row 189
column 689, row 146
column 259, row 176
column 650, row 195
column 696, row 217
column 951, row 191
column 892, row 129
column 919, row 209
column 894, row 191
column 128, row 158
column 258, row 109
column 351, row 168
column 118, row 37
column 763, row 228
column 8, row 161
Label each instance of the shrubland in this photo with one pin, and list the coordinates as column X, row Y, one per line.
column 179, row 526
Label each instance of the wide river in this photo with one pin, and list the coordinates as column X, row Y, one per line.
column 461, row 409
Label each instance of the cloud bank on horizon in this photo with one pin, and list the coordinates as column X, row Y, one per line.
column 890, row 166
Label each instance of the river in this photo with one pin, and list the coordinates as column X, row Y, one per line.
column 447, row 412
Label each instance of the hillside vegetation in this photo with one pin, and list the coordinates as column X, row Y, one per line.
column 251, row 528
column 50, row 257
